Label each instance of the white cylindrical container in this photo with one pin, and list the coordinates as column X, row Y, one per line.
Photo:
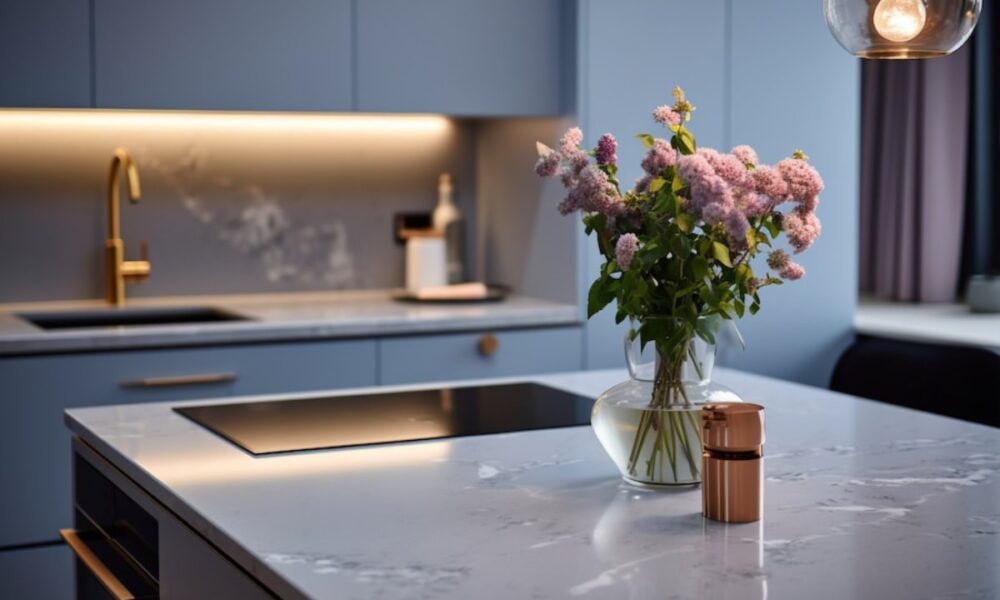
column 426, row 262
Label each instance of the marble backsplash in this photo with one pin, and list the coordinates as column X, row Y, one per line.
column 231, row 203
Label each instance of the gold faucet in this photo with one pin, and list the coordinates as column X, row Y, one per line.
column 120, row 270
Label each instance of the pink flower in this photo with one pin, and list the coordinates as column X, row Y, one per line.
column 751, row 203
column 591, row 192
column 714, row 213
column 568, row 178
column 802, row 179
column 736, row 226
column 802, row 228
column 625, row 249
column 569, row 147
column 693, row 168
column 769, row 182
column 783, row 264
column 792, row 271
column 731, row 169
column 642, row 183
column 578, row 162
column 659, row 157
column 667, row 116
column 809, row 204
column 605, row 151
column 570, row 141
column 746, row 155
column 548, row 164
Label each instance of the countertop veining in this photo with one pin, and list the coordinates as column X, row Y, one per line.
column 277, row 317
column 862, row 500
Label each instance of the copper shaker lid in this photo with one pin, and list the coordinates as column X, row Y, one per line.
column 732, row 426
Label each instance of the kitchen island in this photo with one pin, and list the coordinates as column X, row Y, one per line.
column 862, row 500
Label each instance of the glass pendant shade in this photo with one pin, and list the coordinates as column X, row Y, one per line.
column 901, row 28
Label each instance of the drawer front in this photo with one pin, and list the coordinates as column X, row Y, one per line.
column 479, row 355
column 35, row 391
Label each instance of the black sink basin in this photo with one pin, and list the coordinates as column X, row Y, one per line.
column 129, row 317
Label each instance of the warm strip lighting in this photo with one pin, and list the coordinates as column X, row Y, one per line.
column 194, row 469
column 242, row 121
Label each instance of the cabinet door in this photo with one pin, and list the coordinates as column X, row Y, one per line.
column 223, row 54
column 461, row 57
column 34, row 392
column 479, row 355
column 45, row 572
column 44, row 53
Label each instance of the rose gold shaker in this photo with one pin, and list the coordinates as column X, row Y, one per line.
column 732, row 468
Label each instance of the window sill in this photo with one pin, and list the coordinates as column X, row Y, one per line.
column 933, row 323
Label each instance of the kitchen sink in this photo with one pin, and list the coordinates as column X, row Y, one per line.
column 129, row 317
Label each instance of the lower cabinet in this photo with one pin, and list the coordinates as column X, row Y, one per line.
column 124, row 540
column 35, row 390
column 42, row 572
column 450, row 357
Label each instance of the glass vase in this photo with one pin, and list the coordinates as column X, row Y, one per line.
column 650, row 425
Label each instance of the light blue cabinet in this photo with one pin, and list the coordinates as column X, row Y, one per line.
column 463, row 57
column 223, row 54
column 44, row 53
column 479, row 355
column 45, row 572
column 35, row 390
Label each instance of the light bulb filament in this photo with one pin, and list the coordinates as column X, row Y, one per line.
column 899, row 20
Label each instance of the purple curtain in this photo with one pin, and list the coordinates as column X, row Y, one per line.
column 914, row 130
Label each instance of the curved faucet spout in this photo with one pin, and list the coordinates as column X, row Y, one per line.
column 119, row 270
column 121, row 159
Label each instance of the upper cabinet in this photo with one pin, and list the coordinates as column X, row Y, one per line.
column 223, row 54
column 44, row 53
column 479, row 58
column 463, row 57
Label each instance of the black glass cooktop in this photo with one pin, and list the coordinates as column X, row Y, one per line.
column 341, row 421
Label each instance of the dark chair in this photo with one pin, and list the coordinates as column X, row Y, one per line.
column 955, row 381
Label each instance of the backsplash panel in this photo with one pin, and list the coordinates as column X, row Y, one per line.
column 231, row 203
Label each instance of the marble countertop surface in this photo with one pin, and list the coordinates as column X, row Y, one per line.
column 276, row 317
column 862, row 500
column 932, row 323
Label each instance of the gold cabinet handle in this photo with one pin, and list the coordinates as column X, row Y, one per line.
column 179, row 380
column 488, row 344
column 103, row 574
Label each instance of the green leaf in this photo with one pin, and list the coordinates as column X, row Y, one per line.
column 740, row 308
column 610, row 267
column 752, row 241
column 601, row 294
column 656, row 184
column 680, row 246
column 721, row 253
column 683, row 141
column 678, row 185
column 647, row 140
column 699, row 268
column 772, row 227
column 743, row 273
column 754, row 308
column 685, row 222
column 708, row 327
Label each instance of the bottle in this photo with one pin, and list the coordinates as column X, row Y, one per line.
column 448, row 221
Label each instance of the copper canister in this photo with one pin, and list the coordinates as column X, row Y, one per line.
column 732, row 487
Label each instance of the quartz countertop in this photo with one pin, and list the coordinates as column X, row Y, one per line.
column 862, row 500
column 276, row 317
column 931, row 323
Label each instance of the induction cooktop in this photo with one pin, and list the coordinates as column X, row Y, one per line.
column 343, row 421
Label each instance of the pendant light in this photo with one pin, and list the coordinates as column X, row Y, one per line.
column 901, row 28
